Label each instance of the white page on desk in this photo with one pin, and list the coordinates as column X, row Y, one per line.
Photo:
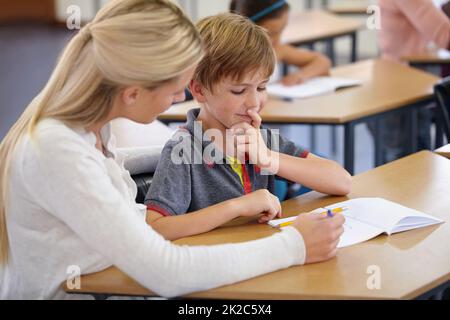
column 443, row 54
column 311, row 88
column 385, row 215
column 356, row 232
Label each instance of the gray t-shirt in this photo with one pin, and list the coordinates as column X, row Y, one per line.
column 194, row 181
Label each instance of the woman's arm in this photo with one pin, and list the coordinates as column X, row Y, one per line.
column 179, row 226
column 312, row 64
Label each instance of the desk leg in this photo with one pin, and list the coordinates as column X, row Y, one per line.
column 330, row 51
column 312, row 138
column 349, row 147
column 354, row 40
column 333, row 139
column 413, row 136
column 439, row 123
column 284, row 69
column 439, row 139
column 378, row 143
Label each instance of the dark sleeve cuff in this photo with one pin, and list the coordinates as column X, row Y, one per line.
column 303, row 154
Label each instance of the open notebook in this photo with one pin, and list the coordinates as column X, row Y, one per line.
column 367, row 218
column 314, row 87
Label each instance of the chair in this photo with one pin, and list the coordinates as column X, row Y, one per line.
column 141, row 162
column 442, row 93
column 143, row 182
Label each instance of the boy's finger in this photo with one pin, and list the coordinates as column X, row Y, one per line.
column 236, row 131
column 241, row 125
column 256, row 123
column 242, row 140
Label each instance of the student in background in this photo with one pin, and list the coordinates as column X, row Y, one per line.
column 273, row 16
column 65, row 198
column 237, row 161
column 445, row 6
column 407, row 28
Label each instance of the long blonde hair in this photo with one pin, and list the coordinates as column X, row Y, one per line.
column 129, row 42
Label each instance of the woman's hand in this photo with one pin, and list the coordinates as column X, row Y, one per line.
column 321, row 235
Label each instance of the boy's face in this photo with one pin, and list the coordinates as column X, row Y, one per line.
column 230, row 100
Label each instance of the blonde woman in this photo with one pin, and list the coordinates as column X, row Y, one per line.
column 65, row 197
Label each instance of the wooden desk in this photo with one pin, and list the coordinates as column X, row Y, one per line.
column 348, row 9
column 387, row 87
column 432, row 57
column 444, row 151
column 308, row 27
column 309, row 3
column 411, row 263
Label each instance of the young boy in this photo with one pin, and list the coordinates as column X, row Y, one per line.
column 238, row 160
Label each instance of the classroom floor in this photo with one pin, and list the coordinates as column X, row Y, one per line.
column 28, row 54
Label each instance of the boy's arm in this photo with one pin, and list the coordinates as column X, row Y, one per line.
column 296, row 164
column 319, row 174
column 271, row 152
column 175, row 227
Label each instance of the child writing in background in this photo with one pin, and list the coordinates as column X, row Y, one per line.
column 238, row 166
column 273, row 16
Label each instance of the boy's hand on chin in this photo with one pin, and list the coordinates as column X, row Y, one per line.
column 249, row 141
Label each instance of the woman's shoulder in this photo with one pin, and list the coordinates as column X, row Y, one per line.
column 51, row 140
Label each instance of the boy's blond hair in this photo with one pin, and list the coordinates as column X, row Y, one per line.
column 234, row 47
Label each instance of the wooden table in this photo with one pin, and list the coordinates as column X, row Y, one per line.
column 387, row 87
column 309, row 3
column 413, row 264
column 444, row 151
column 348, row 9
column 309, row 27
column 353, row 7
column 432, row 57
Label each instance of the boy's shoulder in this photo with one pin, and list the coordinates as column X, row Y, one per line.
column 182, row 147
column 179, row 136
